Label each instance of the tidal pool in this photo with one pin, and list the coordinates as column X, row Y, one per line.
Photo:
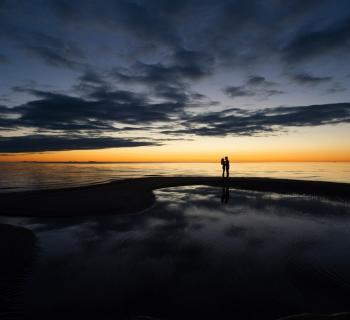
column 198, row 253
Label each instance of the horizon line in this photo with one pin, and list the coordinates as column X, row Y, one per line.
column 308, row 161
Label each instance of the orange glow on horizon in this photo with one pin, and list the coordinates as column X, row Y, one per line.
column 150, row 154
column 308, row 145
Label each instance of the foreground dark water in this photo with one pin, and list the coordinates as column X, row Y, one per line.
column 199, row 252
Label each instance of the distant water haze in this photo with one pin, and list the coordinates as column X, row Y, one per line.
column 33, row 176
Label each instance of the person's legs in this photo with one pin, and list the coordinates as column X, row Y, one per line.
column 227, row 172
column 223, row 172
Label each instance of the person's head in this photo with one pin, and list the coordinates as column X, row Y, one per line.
column 226, row 158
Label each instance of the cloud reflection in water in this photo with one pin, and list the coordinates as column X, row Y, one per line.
column 258, row 256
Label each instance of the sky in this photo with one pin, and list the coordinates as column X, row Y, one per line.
column 165, row 80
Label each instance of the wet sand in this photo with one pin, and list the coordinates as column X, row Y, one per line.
column 134, row 195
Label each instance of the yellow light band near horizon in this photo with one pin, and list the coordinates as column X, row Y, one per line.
column 326, row 143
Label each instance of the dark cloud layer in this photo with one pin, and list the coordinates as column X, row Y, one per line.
column 240, row 122
column 319, row 41
column 169, row 80
column 256, row 86
column 308, row 79
column 49, row 49
column 54, row 111
column 195, row 31
column 122, row 66
column 42, row 143
column 52, row 57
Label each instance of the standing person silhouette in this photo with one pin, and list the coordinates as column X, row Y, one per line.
column 227, row 167
column 223, row 164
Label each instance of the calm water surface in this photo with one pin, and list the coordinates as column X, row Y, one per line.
column 199, row 253
column 28, row 176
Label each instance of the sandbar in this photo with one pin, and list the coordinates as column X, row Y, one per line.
column 135, row 195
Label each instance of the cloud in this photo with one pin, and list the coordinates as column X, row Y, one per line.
column 92, row 77
column 83, row 123
column 336, row 88
column 44, row 143
column 154, row 21
column 169, row 80
column 53, row 58
column 229, row 32
column 259, row 81
column 51, row 50
column 308, row 79
column 183, row 65
column 104, row 109
column 121, row 111
column 172, row 92
column 240, row 122
column 255, row 86
column 159, row 54
column 192, row 64
column 238, row 91
column 118, row 96
column 318, row 41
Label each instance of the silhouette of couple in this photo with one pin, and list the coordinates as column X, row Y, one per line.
column 225, row 163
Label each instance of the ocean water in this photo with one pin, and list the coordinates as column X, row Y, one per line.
column 31, row 176
column 198, row 253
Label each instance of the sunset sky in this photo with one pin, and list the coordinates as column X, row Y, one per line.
column 166, row 80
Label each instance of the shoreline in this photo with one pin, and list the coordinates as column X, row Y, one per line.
column 134, row 195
